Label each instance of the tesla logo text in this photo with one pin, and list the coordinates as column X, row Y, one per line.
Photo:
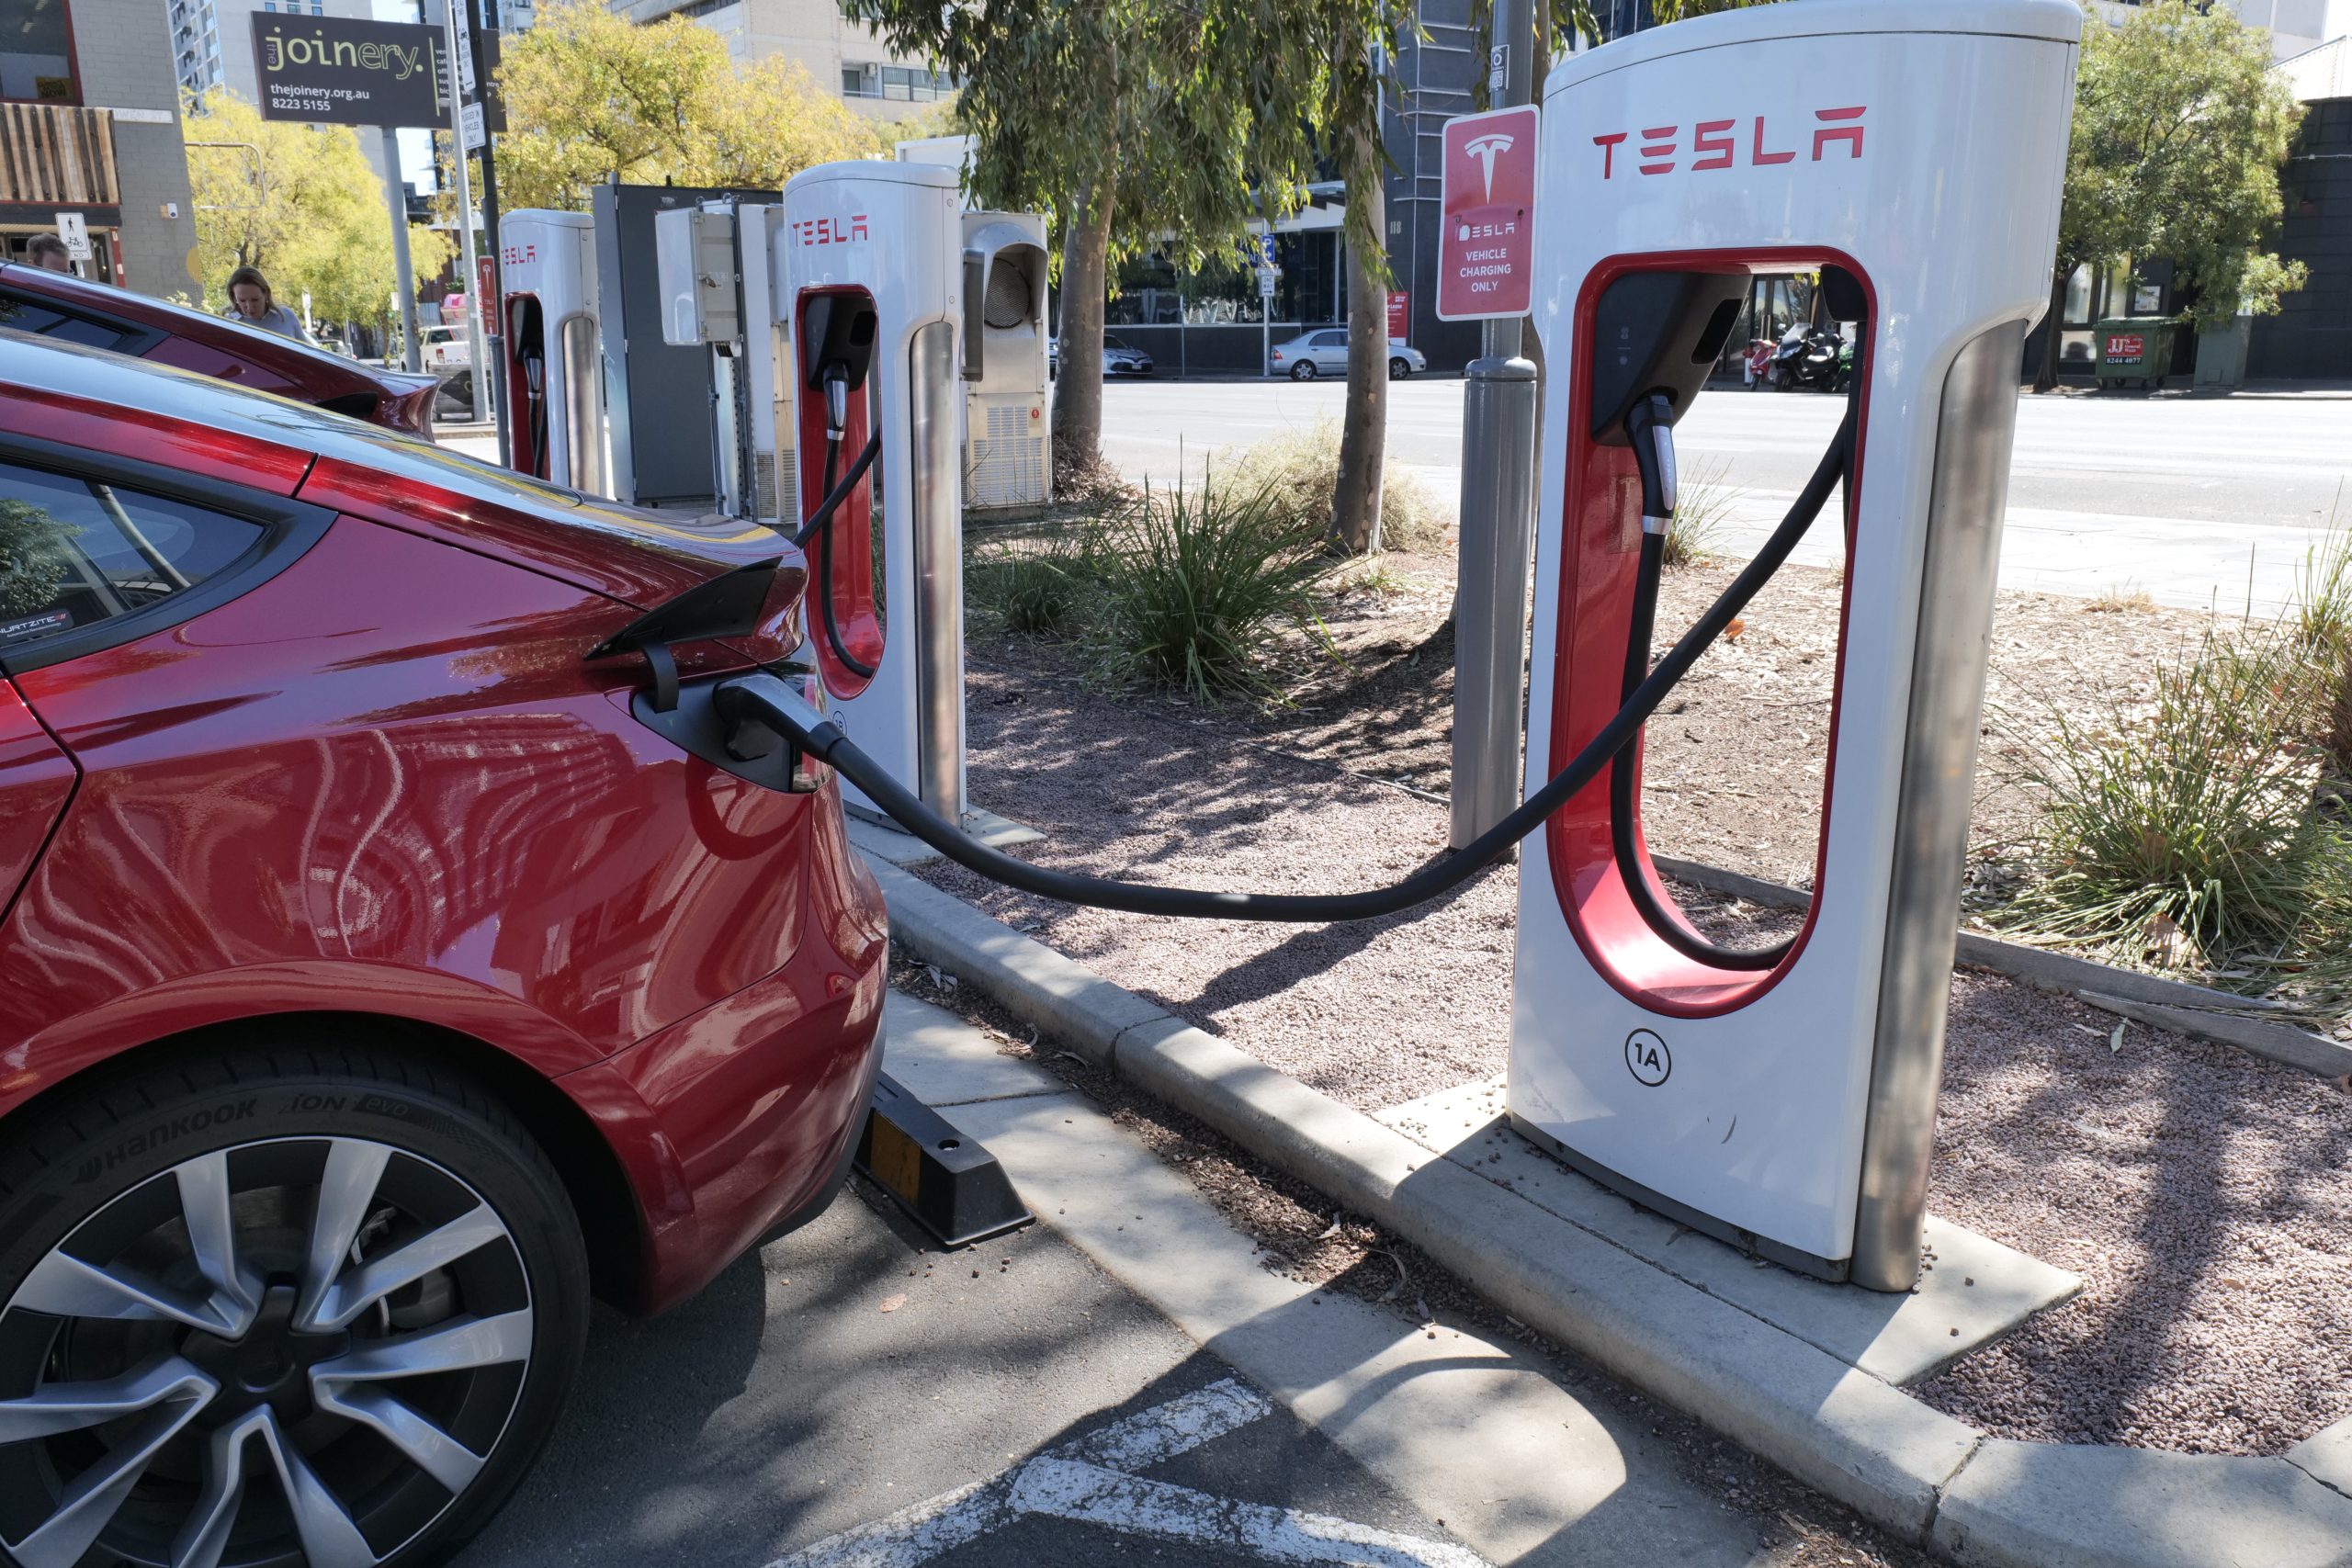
column 515, row 256
column 1485, row 149
column 1713, row 144
column 828, row 231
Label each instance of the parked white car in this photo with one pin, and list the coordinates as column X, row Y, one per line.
column 446, row 349
column 1325, row 352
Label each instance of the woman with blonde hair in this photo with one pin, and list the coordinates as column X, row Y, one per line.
column 250, row 301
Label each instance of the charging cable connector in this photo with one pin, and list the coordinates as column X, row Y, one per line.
column 1650, row 428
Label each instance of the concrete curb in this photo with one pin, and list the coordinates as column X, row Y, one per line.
column 2196, row 1010
column 1907, row 1467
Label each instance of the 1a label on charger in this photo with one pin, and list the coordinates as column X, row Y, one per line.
column 1647, row 1058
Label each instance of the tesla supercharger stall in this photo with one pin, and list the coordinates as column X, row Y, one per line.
column 713, row 266
column 1009, row 457
column 1912, row 153
column 555, row 379
column 873, row 301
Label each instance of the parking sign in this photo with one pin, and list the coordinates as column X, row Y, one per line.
column 1488, row 203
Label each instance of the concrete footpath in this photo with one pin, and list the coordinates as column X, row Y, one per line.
column 1829, row 1423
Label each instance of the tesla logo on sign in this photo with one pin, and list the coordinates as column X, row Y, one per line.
column 515, row 256
column 1487, row 149
column 1487, row 202
column 1713, row 144
column 828, row 231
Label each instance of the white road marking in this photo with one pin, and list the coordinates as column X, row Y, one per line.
column 1087, row 1481
column 1063, row 1490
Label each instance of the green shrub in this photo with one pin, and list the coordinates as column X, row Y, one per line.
column 2321, row 634
column 1035, row 583
column 1198, row 584
column 1301, row 469
column 1702, row 503
column 2180, row 836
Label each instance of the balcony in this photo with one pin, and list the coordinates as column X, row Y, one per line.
column 57, row 155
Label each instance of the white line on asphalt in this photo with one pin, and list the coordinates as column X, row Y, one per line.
column 1088, row 1494
column 1085, row 1481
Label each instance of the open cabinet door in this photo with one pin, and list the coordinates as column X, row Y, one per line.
column 36, row 781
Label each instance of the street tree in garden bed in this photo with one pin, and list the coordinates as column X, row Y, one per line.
column 2181, row 129
column 594, row 97
column 1107, row 118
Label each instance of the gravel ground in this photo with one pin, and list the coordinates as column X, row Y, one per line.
column 1733, row 773
column 2197, row 1190
column 1298, row 1238
column 2194, row 1188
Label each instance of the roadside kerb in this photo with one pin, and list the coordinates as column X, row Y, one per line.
column 1891, row 1457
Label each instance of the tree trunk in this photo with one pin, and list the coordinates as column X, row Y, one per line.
column 2046, row 379
column 1078, row 390
column 1363, row 425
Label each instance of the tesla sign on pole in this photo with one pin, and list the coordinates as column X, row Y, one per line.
column 1487, row 201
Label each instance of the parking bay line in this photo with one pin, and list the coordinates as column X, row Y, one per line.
column 1086, row 1482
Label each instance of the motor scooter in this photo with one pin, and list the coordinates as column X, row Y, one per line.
column 1808, row 356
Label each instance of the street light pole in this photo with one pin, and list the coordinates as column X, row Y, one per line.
column 476, row 350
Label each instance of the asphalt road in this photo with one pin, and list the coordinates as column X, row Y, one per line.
column 2185, row 498
column 789, row 1402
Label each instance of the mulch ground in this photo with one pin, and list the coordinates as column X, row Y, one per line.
column 2194, row 1188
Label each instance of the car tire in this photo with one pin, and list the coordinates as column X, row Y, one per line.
column 215, row 1249
column 1398, row 369
column 1302, row 371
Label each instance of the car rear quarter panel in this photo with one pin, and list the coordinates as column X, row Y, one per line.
column 384, row 781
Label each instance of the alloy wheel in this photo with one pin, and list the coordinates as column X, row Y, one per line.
column 298, row 1349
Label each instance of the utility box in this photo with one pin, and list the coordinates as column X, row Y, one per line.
column 2133, row 350
column 693, row 249
column 1008, row 463
column 658, row 395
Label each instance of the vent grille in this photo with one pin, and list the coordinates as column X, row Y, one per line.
column 1009, row 459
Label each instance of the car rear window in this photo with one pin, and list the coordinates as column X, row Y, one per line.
column 34, row 316
column 75, row 552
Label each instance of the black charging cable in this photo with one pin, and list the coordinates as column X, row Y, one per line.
column 1649, row 426
column 771, row 700
column 820, row 525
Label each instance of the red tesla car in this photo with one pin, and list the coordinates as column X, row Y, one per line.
column 97, row 315
column 396, row 954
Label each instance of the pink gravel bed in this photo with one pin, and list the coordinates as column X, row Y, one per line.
column 2198, row 1191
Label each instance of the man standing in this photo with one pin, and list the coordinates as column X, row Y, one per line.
column 251, row 303
column 48, row 253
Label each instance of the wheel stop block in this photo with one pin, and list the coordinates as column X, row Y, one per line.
column 950, row 1184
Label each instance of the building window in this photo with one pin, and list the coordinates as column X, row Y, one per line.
column 905, row 83
column 36, row 52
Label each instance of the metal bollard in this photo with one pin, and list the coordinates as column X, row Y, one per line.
column 1490, row 600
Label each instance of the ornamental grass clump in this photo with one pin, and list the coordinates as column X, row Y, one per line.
column 1701, row 507
column 1035, row 583
column 1300, row 470
column 1198, row 584
column 2181, row 836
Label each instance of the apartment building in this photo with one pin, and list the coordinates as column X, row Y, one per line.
column 845, row 57
column 90, row 125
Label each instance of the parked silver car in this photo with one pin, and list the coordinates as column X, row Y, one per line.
column 1325, row 352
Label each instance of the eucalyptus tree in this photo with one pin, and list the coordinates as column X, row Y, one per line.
column 1104, row 115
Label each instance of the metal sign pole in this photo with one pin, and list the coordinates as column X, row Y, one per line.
column 403, row 274
column 1497, row 531
column 476, row 351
